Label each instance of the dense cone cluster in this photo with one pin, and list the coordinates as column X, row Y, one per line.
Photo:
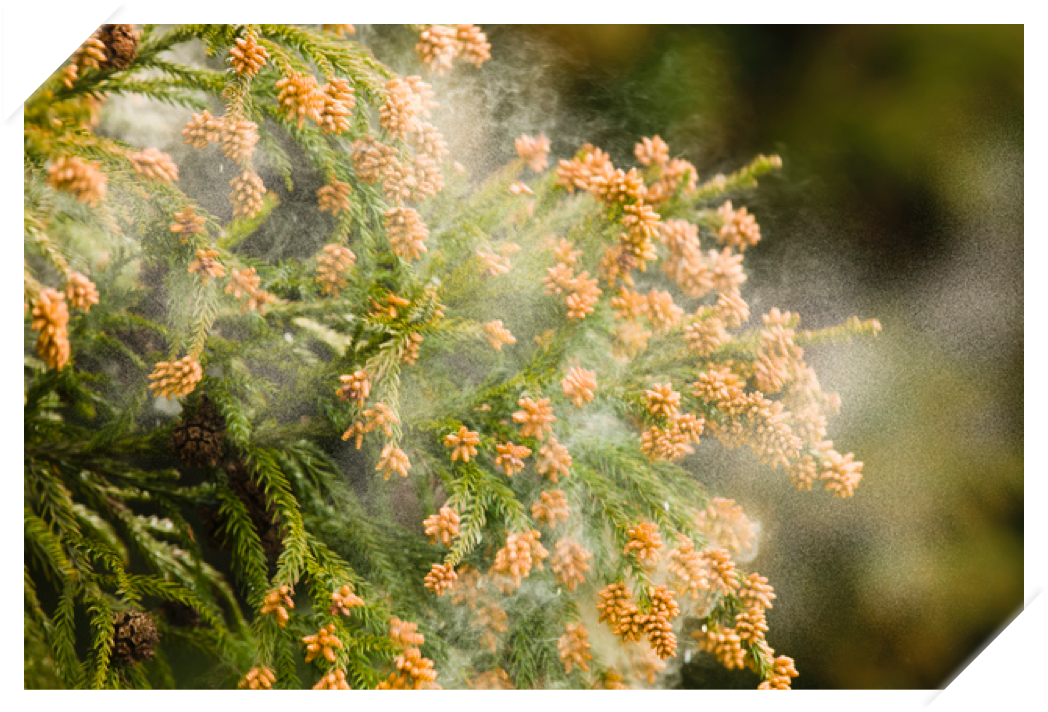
column 380, row 416
column 755, row 592
column 393, row 461
column 617, row 609
column 50, row 318
column 247, row 194
column 511, row 457
column 300, row 98
column 782, row 674
column 551, row 507
column 692, row 569
column 663, row 401
column 406, row 233
column 498, row 335
column 413, row 672
column 322, row 644
column 277, row 602
column 652, row 151
column 237, row 136
column 658, row 622
column 723, row 643
column 339, row 100
column 644, row 542
column 441, row 578
column 554, row 461
column 355, row 386
column 258, row 679
column 343, row 601
column 247, row 57
column 570, row 563
column 534, row 150
column 705, row 333
column 580, row 386
column 515, row 560
column 408, row 101
column 110, row 47
column 332, row 264
column 188, row 223
column 83, row 179
column 179, row 378
column 80, row 291
column 673, row 440
column 443, row 526
column 90, row 55
column 155, row 165
column 439, row 45
column 535, row 418
column 573, row 648
column 206, row 265
column 739, row 229
column 334, row 680
column 463, row 444
column 334, row 197
column 244, row 285
column 405, row 634
column 726, row 526
column 202, row 129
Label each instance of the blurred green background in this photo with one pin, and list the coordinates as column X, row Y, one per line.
column 901, row 199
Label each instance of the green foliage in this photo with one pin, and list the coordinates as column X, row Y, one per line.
column 121, row 514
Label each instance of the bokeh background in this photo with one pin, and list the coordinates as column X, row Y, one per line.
column 901, row 198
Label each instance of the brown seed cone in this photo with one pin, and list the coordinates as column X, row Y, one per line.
column 134, row 637
column 199, row 439
column 121, row 45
